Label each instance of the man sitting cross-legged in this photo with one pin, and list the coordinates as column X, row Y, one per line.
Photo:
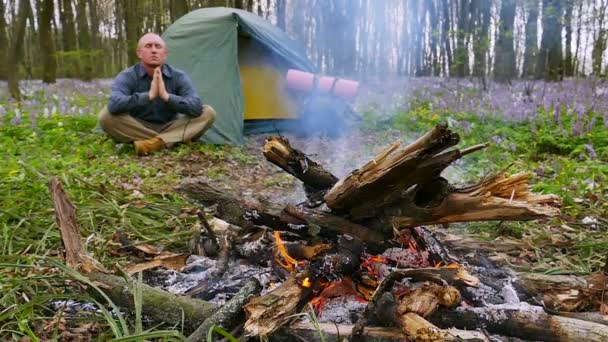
column 153, row 104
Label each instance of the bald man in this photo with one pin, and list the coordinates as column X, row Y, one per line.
column 154, row 105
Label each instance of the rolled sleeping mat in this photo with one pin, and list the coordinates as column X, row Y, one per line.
column 305, row 81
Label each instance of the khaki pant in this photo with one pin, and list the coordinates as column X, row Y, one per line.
column 125, row 128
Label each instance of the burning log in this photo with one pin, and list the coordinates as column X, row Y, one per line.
column 403, row 188
column 565, row 293
column 426, row 299
column 497, row 198
column 335, row 224
column 269, row 312
column 299, row 220
column 279, row 152
column 239, row 212
column 230, row 315
column 523, row 321
column 447, row 297
column 334, row 332
column 157, row 305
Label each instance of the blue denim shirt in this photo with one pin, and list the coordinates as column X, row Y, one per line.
column 129, row 94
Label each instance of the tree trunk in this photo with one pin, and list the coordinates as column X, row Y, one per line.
column 47, row 45
column 568, row 62
column 531, row 39
column 576, row 61
column 599, row 44
column 132, row 28
column 3, row 42
column 84, row 41
column 504, row 63
column 177, row 9
column 446, row 36
column 15, row 51
column 549, row 63
column 70, row 64
column 482, row 39
column 461, row 55
column 95, row 45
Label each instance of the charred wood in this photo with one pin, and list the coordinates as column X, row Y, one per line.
column 496, row 198
column 381, row 181
column 332, row 225
column 335, row 332
column 267, row 313
column 563, row 292
column 530, row 323
column 293, row 161
column 230, row 314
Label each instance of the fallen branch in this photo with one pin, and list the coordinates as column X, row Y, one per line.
column 335, row 332
column 279, row 152
column 523, row 321
column 267, row 313
column 498, row 198
column 157, row 305
column 230, row 314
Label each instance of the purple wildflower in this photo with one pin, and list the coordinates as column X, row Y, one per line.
column 577, row 128
column 591, row 151
column 16, row 120
column 33, row 116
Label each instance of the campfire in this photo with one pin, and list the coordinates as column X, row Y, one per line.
column 359, row 254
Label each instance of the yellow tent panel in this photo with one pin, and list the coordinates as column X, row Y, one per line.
column 264, row 93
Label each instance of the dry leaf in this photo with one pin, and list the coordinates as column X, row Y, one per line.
column 466, row 277
column 172, row 261
column 148, row 249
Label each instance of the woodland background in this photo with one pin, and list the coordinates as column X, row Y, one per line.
column 363, row 39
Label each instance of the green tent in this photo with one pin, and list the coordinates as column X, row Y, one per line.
column 221, row 47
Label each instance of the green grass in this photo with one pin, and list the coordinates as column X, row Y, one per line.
column 114, row 192
column 118, row 193
column 560, row 164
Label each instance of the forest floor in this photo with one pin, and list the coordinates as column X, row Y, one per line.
column 49, row 135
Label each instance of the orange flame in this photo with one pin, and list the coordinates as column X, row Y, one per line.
column 412, row 246
column 452, row 265
column 290, row 263
column 306, row 282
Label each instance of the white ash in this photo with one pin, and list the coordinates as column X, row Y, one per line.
column 509, row 294
column 254, row 248
column 521, row 306
column 483, row 293
column 341, row 310
column 202, row 272
column 72, row 307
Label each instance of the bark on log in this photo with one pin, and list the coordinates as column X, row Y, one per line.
column 230, row 314
column 497, row 198
column 267, row 313
column 564, row 293
column 529, row 323
column 335, row 332
column 75, row 254
column 302, row 221
column 240, row 212
column 279, row 152
column 335, row 225
column 417, row 328
column 426, row 299
column 157, row 305
column 160, row 307
column 381, row 181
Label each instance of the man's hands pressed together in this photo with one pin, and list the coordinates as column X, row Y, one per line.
column 157, row 87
